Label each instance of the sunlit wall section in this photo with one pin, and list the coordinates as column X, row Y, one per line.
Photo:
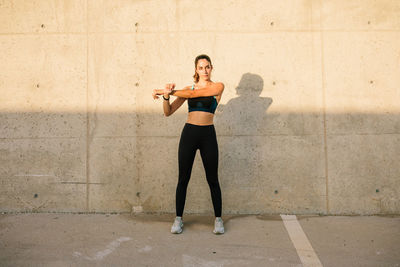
column 308, row 122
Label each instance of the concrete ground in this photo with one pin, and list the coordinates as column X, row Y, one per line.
column 62, row 239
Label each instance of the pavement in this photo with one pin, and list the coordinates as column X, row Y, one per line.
column 68, row 239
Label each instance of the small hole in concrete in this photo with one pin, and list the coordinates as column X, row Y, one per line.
column 276, row 191
column 369, row 22
column 273, row 83
column 37, row 85
column 137, row 194
column 272, row 23
column 371, row 82
column 137, row 24
column 42, row 25
column 377, row 190
column 35, row 196
column 136, row 84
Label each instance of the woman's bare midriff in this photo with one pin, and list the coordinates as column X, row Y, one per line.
column 200, row 118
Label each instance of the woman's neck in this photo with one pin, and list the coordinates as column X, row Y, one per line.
column 204, row 83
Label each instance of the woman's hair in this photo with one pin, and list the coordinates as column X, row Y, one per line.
column 202, row 56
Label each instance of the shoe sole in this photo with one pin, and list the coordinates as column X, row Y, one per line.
column 177, row 232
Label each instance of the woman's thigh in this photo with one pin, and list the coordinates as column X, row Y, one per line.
column 209, row 154
column 187, row 151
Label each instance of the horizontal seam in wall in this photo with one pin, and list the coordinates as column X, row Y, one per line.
column 202, row 31
column 46, row 137
column 174, row 136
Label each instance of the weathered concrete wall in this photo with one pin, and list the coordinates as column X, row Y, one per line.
column 308, row 123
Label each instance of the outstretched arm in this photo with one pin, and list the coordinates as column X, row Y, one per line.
column 212, row 90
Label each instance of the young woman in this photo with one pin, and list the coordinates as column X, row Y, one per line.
column 198, row 133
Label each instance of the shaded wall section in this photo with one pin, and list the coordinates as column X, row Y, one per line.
column 309, row 121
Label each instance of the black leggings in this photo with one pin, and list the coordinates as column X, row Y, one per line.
column 201, row 137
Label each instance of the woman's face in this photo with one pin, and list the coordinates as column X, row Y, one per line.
column 204, row 69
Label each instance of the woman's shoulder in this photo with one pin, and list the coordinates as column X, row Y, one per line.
column 219, row 84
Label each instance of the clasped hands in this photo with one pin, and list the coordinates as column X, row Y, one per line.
column 166, row 91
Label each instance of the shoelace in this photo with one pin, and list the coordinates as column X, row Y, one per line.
column 177, row 223
column 219, row 223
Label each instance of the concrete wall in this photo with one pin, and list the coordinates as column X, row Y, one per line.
column 308, row 122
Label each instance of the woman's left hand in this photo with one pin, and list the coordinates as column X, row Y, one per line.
column 154, row 94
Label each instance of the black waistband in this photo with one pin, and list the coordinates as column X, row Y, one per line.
column 195, row 125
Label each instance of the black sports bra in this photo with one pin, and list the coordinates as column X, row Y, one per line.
column 204, row 103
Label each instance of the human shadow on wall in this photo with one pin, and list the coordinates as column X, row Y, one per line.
column 240, row 126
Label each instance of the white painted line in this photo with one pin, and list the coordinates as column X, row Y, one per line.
column 110, row 248
column 300, row 241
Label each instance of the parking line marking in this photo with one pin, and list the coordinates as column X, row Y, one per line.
column 300, row 241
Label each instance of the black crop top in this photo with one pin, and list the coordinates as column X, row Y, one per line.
column 204, row 103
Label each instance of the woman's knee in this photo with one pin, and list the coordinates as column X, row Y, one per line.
column 183, row 183
column 213, row 181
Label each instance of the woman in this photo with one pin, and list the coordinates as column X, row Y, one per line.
column 198, row 133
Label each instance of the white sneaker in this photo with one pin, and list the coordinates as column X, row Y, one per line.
column 177, row 226
column 218, row 226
